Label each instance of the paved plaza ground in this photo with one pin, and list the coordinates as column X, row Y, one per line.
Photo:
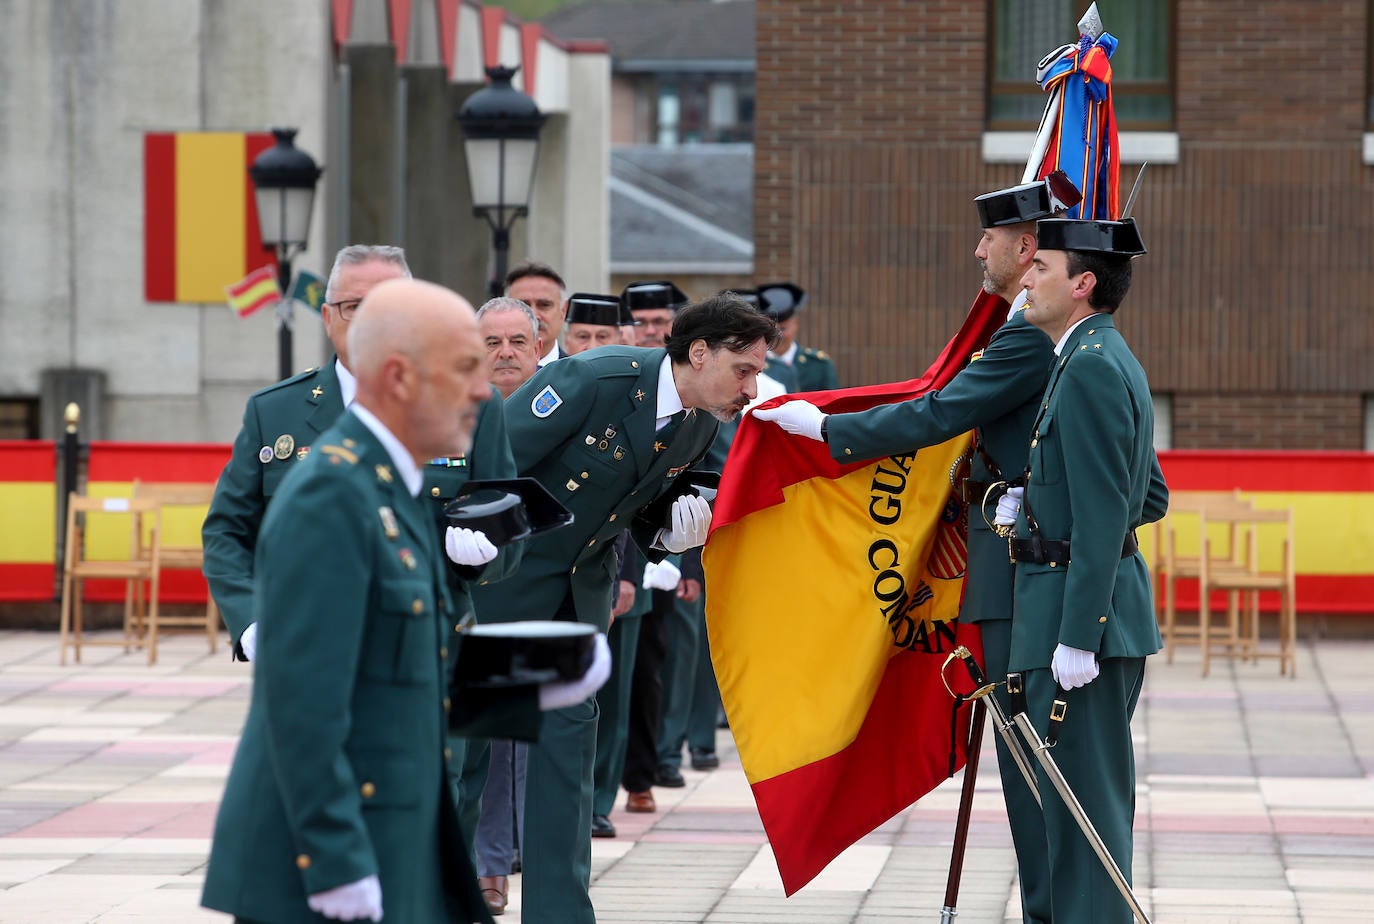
column 1255, row 804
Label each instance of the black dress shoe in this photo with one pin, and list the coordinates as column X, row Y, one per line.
column 602, row 827
column 704, row 759
column 669, row 777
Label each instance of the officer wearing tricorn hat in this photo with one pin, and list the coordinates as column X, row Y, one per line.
column 653, row 306
column 998, row 395
column 814, row 370
column 593, row 321
column 1084, row 613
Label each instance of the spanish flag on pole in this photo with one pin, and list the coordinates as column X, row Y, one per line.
column 256, row 290
column 833, row 600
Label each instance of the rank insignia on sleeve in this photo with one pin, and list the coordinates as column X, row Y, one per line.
column 284, row 446
column 383, row 474
column 265, row 455
column 388, row 522
column 546, row 402
column 316, row 391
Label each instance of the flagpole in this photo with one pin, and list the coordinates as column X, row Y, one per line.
column 956, row 859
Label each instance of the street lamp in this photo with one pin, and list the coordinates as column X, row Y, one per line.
column 284, row 180
column 501, row 137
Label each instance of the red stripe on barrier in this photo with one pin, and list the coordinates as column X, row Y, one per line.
column 28, row 460
column 111, row 461
column 25, row 582
column 1222, row 470
column 1317, row 593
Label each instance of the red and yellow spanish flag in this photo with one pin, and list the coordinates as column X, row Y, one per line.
column 833, row 600
column 254, row 291
column 200, row 225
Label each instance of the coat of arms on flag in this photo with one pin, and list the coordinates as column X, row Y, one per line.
column 254, row 291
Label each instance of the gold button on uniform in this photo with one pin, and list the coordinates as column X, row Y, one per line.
column 434, row 492
column 585, row 475
column 592, row 543
column 443, row 652
column 368, row 790
column 1034, row 443
column 448, row 704
column 1102, row 619
column 448, row 753
column 612, row 519
column 303, row 861
column 849, row 452
column 418, row 606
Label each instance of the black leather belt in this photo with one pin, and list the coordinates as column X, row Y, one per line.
column 975, row 491
column 1054, row 551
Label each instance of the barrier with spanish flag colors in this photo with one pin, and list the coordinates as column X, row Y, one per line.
column 833, row 597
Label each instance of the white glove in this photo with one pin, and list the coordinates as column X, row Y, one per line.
column 661, row 575
column 801, row 417
column 560, row 694
column 468, row 546
column 691, row 523
column 1073, row 667
column 248, row 641
column 357, row 901
column 1008, row 505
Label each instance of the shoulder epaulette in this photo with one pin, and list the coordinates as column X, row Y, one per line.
column 296, row 379
column 616, row 362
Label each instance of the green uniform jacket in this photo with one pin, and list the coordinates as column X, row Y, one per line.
column 584, row 427
column 1094, row 477
column 341, row 770
column 815, row 370
column 999, row 393
column 291, row 415
column 783, row 372
column 490, row 458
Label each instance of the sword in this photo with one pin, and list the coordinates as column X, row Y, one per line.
column 1000, row 721
column 1061, row 785
column 1135, row 191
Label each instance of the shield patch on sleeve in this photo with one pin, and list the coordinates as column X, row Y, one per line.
column 546, row 402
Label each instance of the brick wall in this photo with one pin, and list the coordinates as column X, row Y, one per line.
column 1259, row 283
column 1267, row 421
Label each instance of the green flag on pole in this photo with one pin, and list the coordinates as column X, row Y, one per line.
column 308, row 289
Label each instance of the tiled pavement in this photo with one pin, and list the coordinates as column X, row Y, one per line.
column 1255, row 804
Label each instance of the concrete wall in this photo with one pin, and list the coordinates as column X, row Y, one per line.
column 83, row 83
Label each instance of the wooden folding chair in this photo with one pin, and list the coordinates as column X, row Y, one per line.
column 184, row 500
column 1243, row 587
column 1187, row 508
column 135, row 570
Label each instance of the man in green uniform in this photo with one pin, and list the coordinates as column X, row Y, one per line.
column 299, row 409
column 338, row 803
column 1084, row 615
column 998, row 395
column 608, row 432
column 812, row 369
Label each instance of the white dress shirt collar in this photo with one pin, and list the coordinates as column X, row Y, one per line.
column 550, row 356
column 668, row 401
column 405, row 465
column 348, row 385
column 787, row 355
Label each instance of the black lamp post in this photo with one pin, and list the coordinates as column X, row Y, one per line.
column 501, row 136
column 284, row 179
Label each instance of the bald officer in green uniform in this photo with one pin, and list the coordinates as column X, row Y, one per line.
column 1084, row 614
column 337, row 803
column 997, row 395
column 813, row 370
column 608, row 432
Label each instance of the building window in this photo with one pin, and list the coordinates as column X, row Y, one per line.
column 703, row 108
column 18, row 418
column 1024, row 31
column 1164, row 421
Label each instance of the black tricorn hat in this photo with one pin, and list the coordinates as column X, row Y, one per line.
column 602, row 310
column 1028, row 202
column 523, row 653
column 781, row 300
column 1115, row 237
column 506, row 509
column 626, row 315
column 641, row 296
column 695, row 482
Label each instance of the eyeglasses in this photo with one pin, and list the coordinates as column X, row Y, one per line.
column 347, row 307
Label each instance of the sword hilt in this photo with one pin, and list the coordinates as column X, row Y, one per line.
column 975, row 672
